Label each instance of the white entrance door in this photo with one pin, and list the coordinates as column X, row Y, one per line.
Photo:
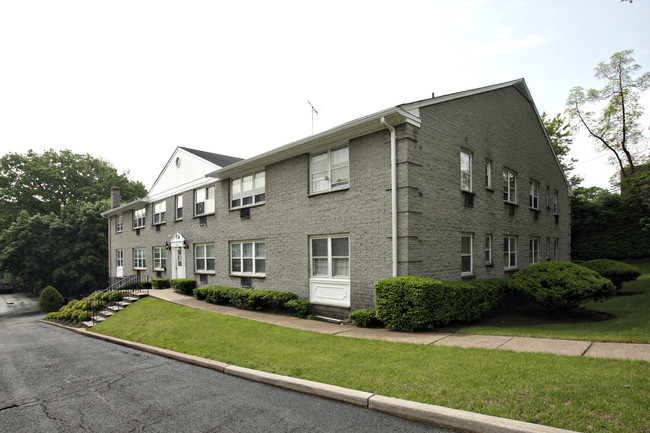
column 177, row 244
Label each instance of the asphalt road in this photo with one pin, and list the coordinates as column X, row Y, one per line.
column 54, row 380
column 18, row 303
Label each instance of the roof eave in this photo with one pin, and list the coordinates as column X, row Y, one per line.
column 125, row 207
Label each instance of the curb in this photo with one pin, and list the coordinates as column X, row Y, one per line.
column 439, row 416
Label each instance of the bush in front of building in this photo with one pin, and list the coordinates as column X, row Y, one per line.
column 613, row 270
column 185, row 286
column 299, row 307
column 410, row 303
column 50, row 300
column 562, row 286
column 366, row 318
column 160, row 283
column 78, row 310
column 251, row 299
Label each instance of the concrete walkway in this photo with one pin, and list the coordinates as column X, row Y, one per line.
column 517, row 344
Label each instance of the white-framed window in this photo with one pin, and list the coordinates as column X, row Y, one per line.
column 248, row 190
column 488, row 249
column 509, row 252
column 139, row 218
column 533, row 195
column 555, row 197
column 139, row 261
column 488, row 174
column 204, row 259
column 204, row 201
column 159, row 258
column 330, row 257
column 159, row 212
column 548, row 248
column 534, row 250
column 556, row 247
column 466, row 253
column 178, row 206
column 330, row 170
column 509, row 186
column 465, row 171
column 119, row 224
column 119, row 258
column 548, row 197
column 248, row 258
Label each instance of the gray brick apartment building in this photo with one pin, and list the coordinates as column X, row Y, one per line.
column 462, row 186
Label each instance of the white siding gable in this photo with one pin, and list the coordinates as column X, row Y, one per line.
column 183, row 171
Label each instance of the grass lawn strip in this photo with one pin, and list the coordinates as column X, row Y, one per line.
column 584, row 394
column 630, row 325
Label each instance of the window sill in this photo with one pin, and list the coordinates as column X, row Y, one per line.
column 160, row 223
column 205, row 272
column 241, row 274
column 139, row 269
column 138, row 228
column 160, row 269
column 510, row 269
column 467, row 275
column 248, row 206
column 343, row 188
column 489, row 264
column 511, row 203
column 203, row 215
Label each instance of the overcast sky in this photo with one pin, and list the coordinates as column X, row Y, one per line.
column 129, row 81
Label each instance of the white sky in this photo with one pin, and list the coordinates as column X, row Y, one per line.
column 129, row 81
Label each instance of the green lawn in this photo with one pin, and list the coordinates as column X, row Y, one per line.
column 575, row 393
column 631, row 323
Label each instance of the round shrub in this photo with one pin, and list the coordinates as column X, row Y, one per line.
column 366, row 318
column 185, row 286
column 160, row 283
column 50, row 300
column 561, row 286
column 299, row 307
column 618, row 272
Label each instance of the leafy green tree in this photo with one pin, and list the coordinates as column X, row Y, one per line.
column 561, row 137
column 616, row 126
column 50, row 300
column 49, row 182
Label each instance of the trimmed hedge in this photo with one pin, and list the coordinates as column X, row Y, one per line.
column 617, row 272
column 366, row 318
column 160, row 283
column 76, row 310
column 561, row 286
column 251, row 299
column 185, row 286
column 50, row 300
column 410, row 303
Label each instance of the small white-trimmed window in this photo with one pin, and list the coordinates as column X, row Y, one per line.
column 488, row 249
column 159, row 212
column 139, row 261
column 534, row 250
column 330, row 257
column 248, row 258
column 488, row 174
column 204, row 260
column 248, row 190
column 556, row 247
column 119, row 258
column 330, row 170
column 509, row 186
column 555, row 197
column 465, row 171
column 178, row 205
column 204, row 201
column 119, row 224
column 139, row 217
column 533, row 195
column 548, row 196
column 466, row 253
column 509, row 252
column 159, row 258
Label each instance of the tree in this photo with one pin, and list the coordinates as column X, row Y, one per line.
column 48, row 182
column 616, row 126
column 50, row 300
column 561, row 137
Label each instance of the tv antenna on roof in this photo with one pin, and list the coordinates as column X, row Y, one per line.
column 313, row 110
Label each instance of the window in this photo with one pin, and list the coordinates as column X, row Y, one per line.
column 159, row 212
column 488, row 174
column 204, row 201
column 556, row 246
column 465, row 171
column 509, row 186
column 119, row 225
column 139, row 261
column 248, row 258
column 139, row 217
column 204, row 258
column 330, row 170
column 248, row 190
column 509, row 252
column 179, row 207
column 548, row 197
column 534, row 251
column 488, row 249
column 330, row 257
column 159, row 258
column 119, row 258
column 533, row 195
column 555, row 196
column 466, row 254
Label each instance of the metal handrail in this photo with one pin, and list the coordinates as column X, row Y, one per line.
column 128, row 285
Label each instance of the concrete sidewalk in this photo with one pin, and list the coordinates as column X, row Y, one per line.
column 517, row 344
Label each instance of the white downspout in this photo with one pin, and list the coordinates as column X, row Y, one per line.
column 393, row 189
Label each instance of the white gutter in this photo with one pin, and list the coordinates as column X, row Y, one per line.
column 393, row 189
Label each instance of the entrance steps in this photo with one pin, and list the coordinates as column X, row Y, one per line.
column 113, row 308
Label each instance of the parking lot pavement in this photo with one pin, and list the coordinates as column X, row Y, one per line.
column 18, row 303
